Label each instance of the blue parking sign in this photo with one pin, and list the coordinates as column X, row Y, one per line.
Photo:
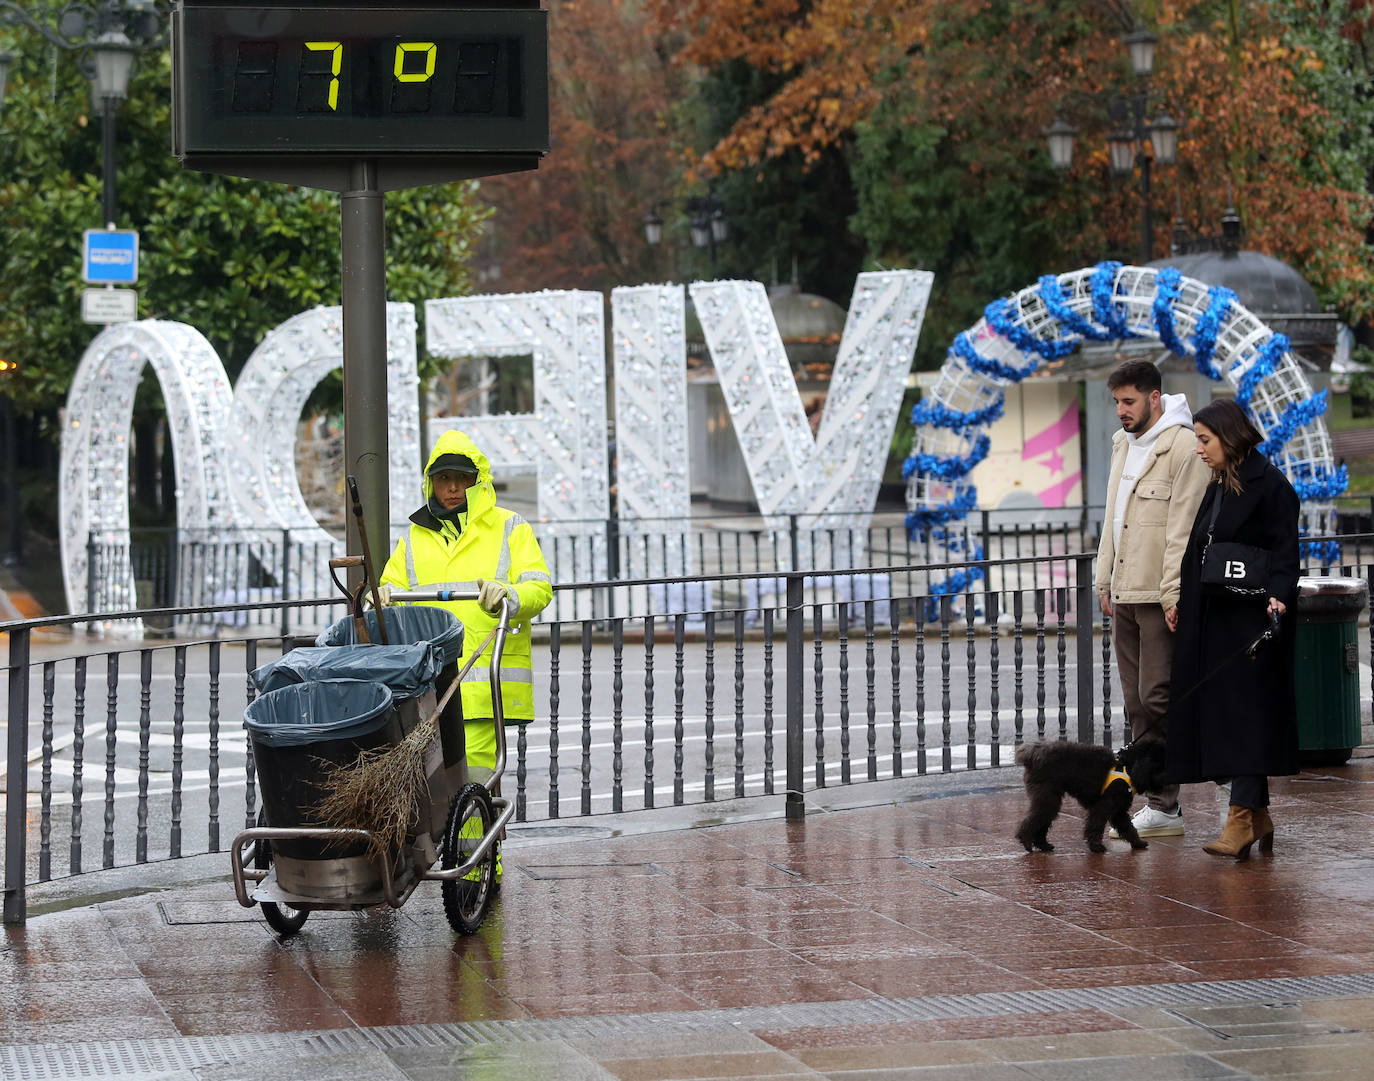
column 111, row 256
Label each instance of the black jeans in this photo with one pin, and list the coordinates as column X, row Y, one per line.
column 1251, row 792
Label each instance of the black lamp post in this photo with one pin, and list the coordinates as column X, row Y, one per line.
column 1134, row 143
column 13, row 540
column 706, row 220
column 108, row 35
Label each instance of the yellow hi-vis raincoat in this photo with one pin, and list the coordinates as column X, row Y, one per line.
column 492, row 543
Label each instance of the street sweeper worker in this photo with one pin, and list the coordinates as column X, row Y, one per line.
column 460, row 539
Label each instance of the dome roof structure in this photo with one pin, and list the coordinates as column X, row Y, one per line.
column 1268, row 287
column 1274, row 291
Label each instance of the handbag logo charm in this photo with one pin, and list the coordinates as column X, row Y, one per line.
column 1235, row 569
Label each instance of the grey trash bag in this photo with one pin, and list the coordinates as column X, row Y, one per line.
column 408, row 670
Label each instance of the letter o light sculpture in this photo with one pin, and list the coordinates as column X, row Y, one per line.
column 93, row 491
column 233, row 452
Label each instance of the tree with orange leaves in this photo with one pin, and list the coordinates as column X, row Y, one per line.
column 577, row 221
column 940, row 104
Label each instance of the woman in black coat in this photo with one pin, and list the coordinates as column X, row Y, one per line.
column 1241, row 723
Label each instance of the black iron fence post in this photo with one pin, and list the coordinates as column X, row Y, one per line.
column 169, row 574
column 794, row 544
column 612, row 562
column 17, row 777
column 795, row 806
column 285, row 579
column 90, row 572
column 1083, row 603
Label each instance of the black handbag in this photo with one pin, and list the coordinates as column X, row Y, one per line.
column 1231, row 567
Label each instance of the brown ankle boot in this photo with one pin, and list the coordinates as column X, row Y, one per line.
column 1236, row 836
column 1264, row 829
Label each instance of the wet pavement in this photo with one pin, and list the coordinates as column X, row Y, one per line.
column 898, row 932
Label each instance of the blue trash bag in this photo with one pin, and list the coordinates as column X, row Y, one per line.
column 405, row 625
column 408, row 670
column 304, row 713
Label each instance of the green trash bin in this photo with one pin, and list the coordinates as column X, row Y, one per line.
column 1327, row 677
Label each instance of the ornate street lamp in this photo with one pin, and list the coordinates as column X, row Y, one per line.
column 653, row 227
column 1127, row 142
column 1061, row 135
column 706, row 221
column 108, row 35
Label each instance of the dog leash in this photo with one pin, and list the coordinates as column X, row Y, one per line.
column 1268, row 635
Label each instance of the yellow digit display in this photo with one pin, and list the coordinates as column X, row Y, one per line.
column 405, row 49
column 335, row 49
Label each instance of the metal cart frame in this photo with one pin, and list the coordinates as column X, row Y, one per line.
column 349, row 883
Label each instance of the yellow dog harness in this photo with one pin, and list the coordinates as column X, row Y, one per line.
column 1117, row 775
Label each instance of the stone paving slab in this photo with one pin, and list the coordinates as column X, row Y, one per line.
column 911, row 938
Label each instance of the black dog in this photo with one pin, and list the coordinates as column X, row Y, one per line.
column 1093, row 776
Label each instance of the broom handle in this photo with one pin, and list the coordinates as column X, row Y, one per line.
column 458, row 679
column 357, row 503
column 498, row 633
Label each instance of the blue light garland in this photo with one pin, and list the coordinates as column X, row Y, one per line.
column 920, row 522
column 1052, row 294
column 1002, row 319
column 1294, row 417
column 938, row 415
column 1266, row 361
column 1324, row 553
column 1208, row 327
column 963, row 348
column 1105, row 311
column 949, row 468
column 1168, row 284
column 1316, row 482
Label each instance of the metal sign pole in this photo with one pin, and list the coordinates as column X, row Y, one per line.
column 363, row 257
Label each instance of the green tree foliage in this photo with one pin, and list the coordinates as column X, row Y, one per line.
column 784, row 211
column 232, row 258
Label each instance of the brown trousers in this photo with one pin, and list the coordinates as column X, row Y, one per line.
column 1144, row 658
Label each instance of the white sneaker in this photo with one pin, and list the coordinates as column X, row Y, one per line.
column 1152, row 822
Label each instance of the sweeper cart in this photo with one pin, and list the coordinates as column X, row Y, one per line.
column 359, row 755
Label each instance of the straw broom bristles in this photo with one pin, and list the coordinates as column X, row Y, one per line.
column 382, row 791
column 385, row 791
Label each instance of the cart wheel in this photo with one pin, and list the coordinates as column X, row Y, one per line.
column 283, row 919
column 470, row 818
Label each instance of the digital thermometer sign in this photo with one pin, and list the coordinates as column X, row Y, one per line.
column 253, row 82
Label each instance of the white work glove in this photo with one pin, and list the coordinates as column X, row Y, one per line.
column 491, row 595
column 383, row 597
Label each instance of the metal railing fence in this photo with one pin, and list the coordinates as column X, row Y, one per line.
column 186, row 569
column 140, row 754
column 239, row 572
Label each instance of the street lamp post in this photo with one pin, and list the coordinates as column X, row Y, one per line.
column 13, row 541
column 108, row 35
column 706, row 220
column 1135, row 143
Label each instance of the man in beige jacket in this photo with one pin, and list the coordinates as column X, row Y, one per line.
column 1153, row 491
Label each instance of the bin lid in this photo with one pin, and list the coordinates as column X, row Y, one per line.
column 1333, row 586
column 408, row 670
column 405, row 624
column 318, row 712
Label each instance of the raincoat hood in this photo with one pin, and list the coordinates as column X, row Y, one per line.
column 482, row 495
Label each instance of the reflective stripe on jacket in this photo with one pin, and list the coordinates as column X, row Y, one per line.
column 496, row 544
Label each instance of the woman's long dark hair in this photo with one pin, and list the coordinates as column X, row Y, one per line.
column 1237, row 435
